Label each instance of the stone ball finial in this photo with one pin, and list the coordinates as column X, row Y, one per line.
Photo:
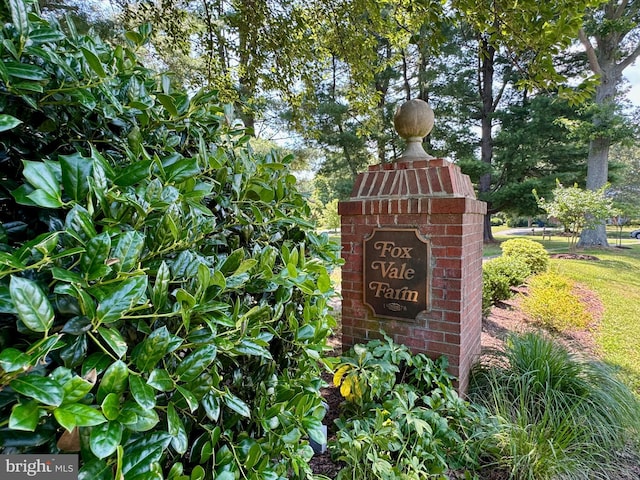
column 413, row 121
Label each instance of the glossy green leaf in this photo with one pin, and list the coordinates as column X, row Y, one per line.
column 133, row 173
column 94, row 62
column 31, row 303
column 21, row 195
column 196, row 362
column 19, row 16
column 12, row 360
column 25, row 416
column 41, row 175
column 127, row 251
column 142, row 393
column 250, row 452
column 10, row 261
column 152, row 349
column 45, row 199
column 140, row 454
column 111, row 406
column 182, row 170
column 76, row 170
column 236, row 404
column 40, row 349
column 114, row 339
column 314, row 429
column 98, row 361
column 73, row 353
column 93, row 262
column 160, row 380
column 187, row 301
column 224, row 476
column 66, row 275
column 134, row 37
column 189, row 397
column 160, row 290
column 78, row 415
column 136, row 418
column 121, row 298
column 249, row 347
column 168, row 103
column 324, row 283
column 25, row 71
column 114, row 380
column 96, row 470
column 175, row 427
column 46, row 35
column 105, row 438
column 245, row 266
column 7, row 122
column 202, row 449
column 233, row 261
column 42, row 389
column 198, row 473
column 211, row 404
column 80, row 222
column 75, row 389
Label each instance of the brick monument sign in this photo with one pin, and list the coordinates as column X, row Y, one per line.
column 412, row 245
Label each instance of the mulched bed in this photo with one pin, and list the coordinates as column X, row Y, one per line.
column 574, row 256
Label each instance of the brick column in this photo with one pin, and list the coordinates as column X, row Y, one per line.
column 434, row 197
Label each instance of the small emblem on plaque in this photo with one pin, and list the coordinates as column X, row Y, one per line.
column 394, row 307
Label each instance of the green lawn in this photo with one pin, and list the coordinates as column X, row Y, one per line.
column 616, row 279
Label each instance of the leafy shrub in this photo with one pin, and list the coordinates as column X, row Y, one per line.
column 164, row 302
column 551, row 301
column 498, row 276
column 557, row 415
column 402, row 418
column 529, row 251
column 518, row 222
column 496, row 221
column 495, row 288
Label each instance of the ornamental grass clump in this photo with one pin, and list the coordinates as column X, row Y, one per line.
column 556, row 415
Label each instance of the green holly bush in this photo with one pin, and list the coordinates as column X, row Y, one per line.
column 163, row 300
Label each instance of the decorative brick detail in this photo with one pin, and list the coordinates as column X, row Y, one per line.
column 435, row 198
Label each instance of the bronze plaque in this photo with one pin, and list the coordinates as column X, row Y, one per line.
column 396, row 273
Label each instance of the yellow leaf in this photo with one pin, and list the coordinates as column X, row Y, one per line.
column 357, row 390
column 345, row 388
column 337, row 377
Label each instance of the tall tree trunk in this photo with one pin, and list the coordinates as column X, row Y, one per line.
column 608, row 56
column 598, row 160
column 485, row 85
column 246, row 72
column 382, row 87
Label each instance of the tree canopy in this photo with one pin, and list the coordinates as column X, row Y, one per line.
column 331, row 74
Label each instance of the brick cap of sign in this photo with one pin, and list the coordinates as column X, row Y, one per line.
column 413, row 178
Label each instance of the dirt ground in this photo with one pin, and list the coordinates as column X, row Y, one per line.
column 503, row 319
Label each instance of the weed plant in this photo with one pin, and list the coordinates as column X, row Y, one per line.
column 556, row 415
